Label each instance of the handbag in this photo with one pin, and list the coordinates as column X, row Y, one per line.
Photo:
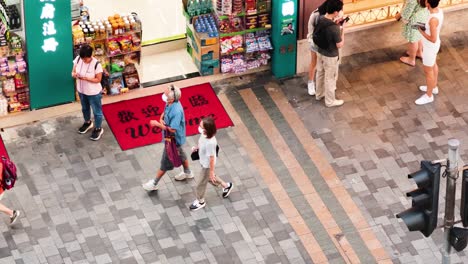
column 196, row 156
column 171, row 149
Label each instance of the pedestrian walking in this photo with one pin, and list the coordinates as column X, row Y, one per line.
column 431, row 46
column 13, row 214
column 172, row 122
column 413, row 12
column 313, row 20
column 88, row 73
column 329, row 37
column 207, row 152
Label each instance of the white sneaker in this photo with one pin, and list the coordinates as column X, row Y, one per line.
column 424, row 99
column 149, row 185
column 423, row 88
column 196, row 205
column 311, row 87
column 336, row 103
column 182, row 176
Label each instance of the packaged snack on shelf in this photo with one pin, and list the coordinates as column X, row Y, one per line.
column 263, row 20
column 125, row 44
column 226, row 64
column 20, row 81
column 132, row 80
column 9, row 85
column 117, row 64
column 116, row 83
column 136, row 42
column 99, row 48
column 113, row 47
column 264, row 43
column 238, row 63
column 131, row 58
column 251, row 45
column 20, row 63
column 237, row 24
column 251, row 6
column 250, row 22
column 237, row 6
column 130, row 69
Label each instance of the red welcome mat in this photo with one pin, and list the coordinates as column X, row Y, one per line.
column 129, row 119
column 3, row 151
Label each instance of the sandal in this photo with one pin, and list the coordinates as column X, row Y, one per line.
column 407, row 62
column 417, row 56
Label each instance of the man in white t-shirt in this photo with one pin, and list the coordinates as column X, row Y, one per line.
column 88, row 73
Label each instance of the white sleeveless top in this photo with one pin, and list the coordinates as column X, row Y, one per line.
column 440, row 16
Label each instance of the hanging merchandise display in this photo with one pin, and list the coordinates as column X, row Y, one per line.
column 14, row 88
column 13, row 76
column 240, row 41
column 244, row 27
column 117, row 45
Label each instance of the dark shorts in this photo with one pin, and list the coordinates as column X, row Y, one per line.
column 166, row 164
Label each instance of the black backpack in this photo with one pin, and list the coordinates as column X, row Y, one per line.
column 320, row 36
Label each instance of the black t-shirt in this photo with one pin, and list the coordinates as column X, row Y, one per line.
column 333, row 35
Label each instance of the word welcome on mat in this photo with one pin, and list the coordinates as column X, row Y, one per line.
column 129, row 119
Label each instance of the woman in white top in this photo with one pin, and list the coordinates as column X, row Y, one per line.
column 431, row 46
column 313, row 19
column 207, row 153
column 88, row 73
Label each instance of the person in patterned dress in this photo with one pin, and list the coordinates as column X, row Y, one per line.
column 413, row 12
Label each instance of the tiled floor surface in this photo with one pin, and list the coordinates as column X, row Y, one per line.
column 313, row 184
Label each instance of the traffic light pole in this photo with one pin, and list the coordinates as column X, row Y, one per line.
column 452, row 175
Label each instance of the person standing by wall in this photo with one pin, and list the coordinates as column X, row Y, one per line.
column 207, row 153
column 13, row 214
column 313, row 20
column 88, row 73
column 413, row 12
column 329, row 37
column 171, row 121
column 431, row 46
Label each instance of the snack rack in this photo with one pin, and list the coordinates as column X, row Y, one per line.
column 244, row 32
column 117, row 45
column 14, row 92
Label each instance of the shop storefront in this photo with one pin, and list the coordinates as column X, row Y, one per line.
column 363, row 12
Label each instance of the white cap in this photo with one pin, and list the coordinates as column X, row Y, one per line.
column 164, row 97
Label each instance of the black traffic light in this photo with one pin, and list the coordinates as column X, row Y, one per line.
column 458, row 238
column 464, row 199
column 422, row 216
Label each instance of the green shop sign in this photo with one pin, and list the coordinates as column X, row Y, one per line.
column 49, row 52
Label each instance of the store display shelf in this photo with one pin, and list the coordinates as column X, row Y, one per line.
column 231, row 34
column 233, row 52
column 123, row 34
column 16, row 91
column 252, row 30
column 234, row 15
column 12, row 74
column 257, row 13
column 123, row 53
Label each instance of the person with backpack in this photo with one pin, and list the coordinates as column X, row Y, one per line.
column 313, row 20
column 88, row 74
column 329, row 38
column 7, row 182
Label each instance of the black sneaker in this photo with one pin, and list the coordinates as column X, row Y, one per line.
column 15, row 216
column 227, row 191
column 97, row 133
column 85, row 127
column 196, row 205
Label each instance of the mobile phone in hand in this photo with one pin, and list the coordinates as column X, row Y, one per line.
column 346, row 19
